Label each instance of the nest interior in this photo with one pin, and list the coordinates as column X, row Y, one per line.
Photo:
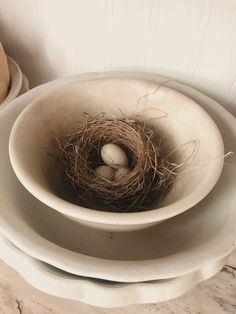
column 152, row 173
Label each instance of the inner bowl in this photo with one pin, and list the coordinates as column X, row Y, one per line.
column 188, row 131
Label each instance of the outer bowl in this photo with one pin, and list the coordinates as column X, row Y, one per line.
column 16, row 82
column 182, row 122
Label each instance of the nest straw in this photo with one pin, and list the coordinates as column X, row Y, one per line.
column 151, row 173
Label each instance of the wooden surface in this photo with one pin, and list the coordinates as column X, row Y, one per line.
column 216, row 295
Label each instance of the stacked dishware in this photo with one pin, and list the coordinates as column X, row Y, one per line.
column 111, row 259
column 12, row 81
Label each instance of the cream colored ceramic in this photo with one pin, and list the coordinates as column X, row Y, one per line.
column 99, row 292
column 178, row 246
column 4, row 75
column 16, row 82
column 185, row 126
column 25, row 85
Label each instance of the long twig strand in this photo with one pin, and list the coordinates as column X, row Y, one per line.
column 151, row 176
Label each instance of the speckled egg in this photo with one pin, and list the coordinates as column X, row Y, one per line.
column 114, row 156
column 121, row 173
column 105, row 172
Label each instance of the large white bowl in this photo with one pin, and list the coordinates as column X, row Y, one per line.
column 99, row 292
column 184, row 124
column 16, row 82
column 176, row 247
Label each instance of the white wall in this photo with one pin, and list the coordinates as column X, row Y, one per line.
column 193, row 41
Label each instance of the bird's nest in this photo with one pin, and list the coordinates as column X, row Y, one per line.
column 151, row 176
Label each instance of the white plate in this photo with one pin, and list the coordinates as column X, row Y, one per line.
column 178, row 246
column 98, row 292
column 16, row 82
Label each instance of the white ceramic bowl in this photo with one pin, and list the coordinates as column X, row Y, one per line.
column 16, row 82
column 181, row 120
column 171, row 249
column 99, row 292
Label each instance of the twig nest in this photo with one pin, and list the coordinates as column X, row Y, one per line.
column 114, row 156
column 105, row 172
column 121, row 174
column 142, row 172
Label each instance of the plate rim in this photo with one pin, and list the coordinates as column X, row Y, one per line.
column 101, row 294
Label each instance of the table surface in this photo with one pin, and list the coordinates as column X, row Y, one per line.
column 216, row 295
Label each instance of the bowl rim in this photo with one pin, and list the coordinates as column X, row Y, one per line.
column 16, row 81
column 105, row 217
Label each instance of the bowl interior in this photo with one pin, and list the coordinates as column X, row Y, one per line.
column 189, row 133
